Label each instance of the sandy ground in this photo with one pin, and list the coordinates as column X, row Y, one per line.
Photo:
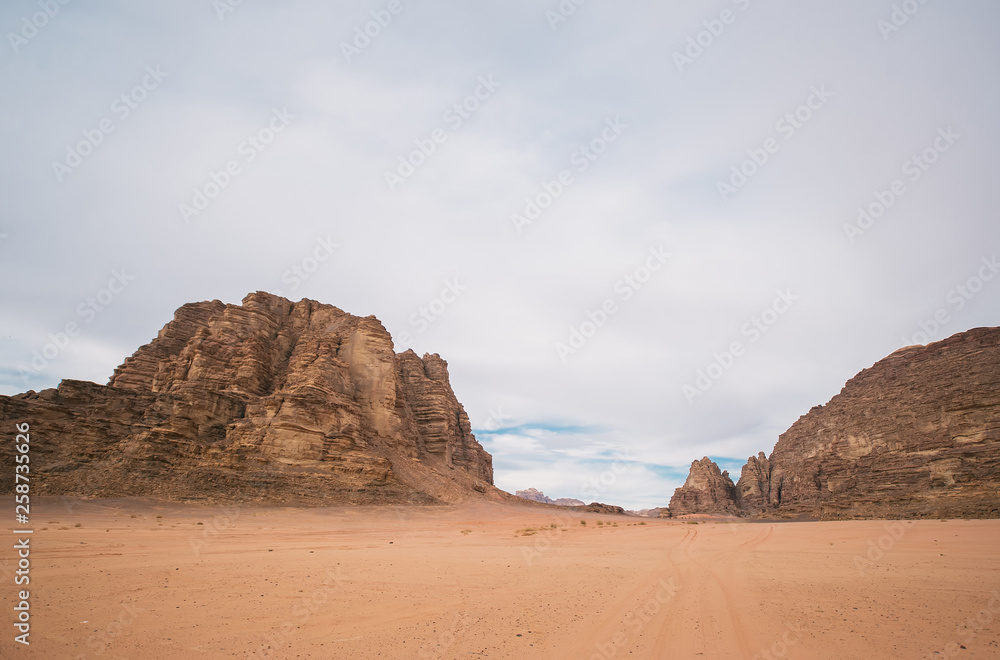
column 140, row 580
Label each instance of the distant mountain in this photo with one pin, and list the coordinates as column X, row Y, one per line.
column 647, row 513
column 539, row 496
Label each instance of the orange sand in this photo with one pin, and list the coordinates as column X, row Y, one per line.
column 403, row 582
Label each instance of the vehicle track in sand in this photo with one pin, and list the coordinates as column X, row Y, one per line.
column 630, row 615
column 703, row 618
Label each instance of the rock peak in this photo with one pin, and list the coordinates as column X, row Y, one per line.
column 915, row 435
column 269, row 399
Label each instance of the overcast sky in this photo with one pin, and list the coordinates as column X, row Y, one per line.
column 490, row 179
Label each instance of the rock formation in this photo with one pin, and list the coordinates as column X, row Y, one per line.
column 599, row 507
column 707, row 490
column 269, row 400
column 538, row 496
column 915, row 435
column 754, row 487
column 647, row 513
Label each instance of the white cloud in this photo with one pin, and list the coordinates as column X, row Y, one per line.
column 654, row 186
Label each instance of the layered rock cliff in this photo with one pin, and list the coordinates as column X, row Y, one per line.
column 269, row 400
column 706, row 490
column 915, row 435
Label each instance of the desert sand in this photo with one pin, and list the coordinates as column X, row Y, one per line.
column 128, row 579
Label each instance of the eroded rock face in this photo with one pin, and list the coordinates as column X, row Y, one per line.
column 754, row 487
column 268, row 400
column 915, row 435
column 707, row 490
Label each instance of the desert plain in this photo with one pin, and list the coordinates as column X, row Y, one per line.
column 141, row 579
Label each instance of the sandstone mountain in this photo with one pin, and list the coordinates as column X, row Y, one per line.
column 269, row 400
column 915, row 435
column 707, row 489
column 536, row 495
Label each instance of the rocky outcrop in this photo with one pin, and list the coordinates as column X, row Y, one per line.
column 647, row 513
column 915, row 435
column 268, row 400
column 706, row 490
column 538, row 496
column 598, row 507
column 754, row 487
column 534, row 495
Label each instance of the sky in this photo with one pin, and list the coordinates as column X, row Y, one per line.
column 640, row 233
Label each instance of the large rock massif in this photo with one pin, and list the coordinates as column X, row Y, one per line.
column 916, row 435
column 269, row 401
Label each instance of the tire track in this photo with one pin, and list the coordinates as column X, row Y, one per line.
column 607, row 624
column 703, row 597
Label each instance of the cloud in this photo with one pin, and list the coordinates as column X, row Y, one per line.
column 656, row 185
